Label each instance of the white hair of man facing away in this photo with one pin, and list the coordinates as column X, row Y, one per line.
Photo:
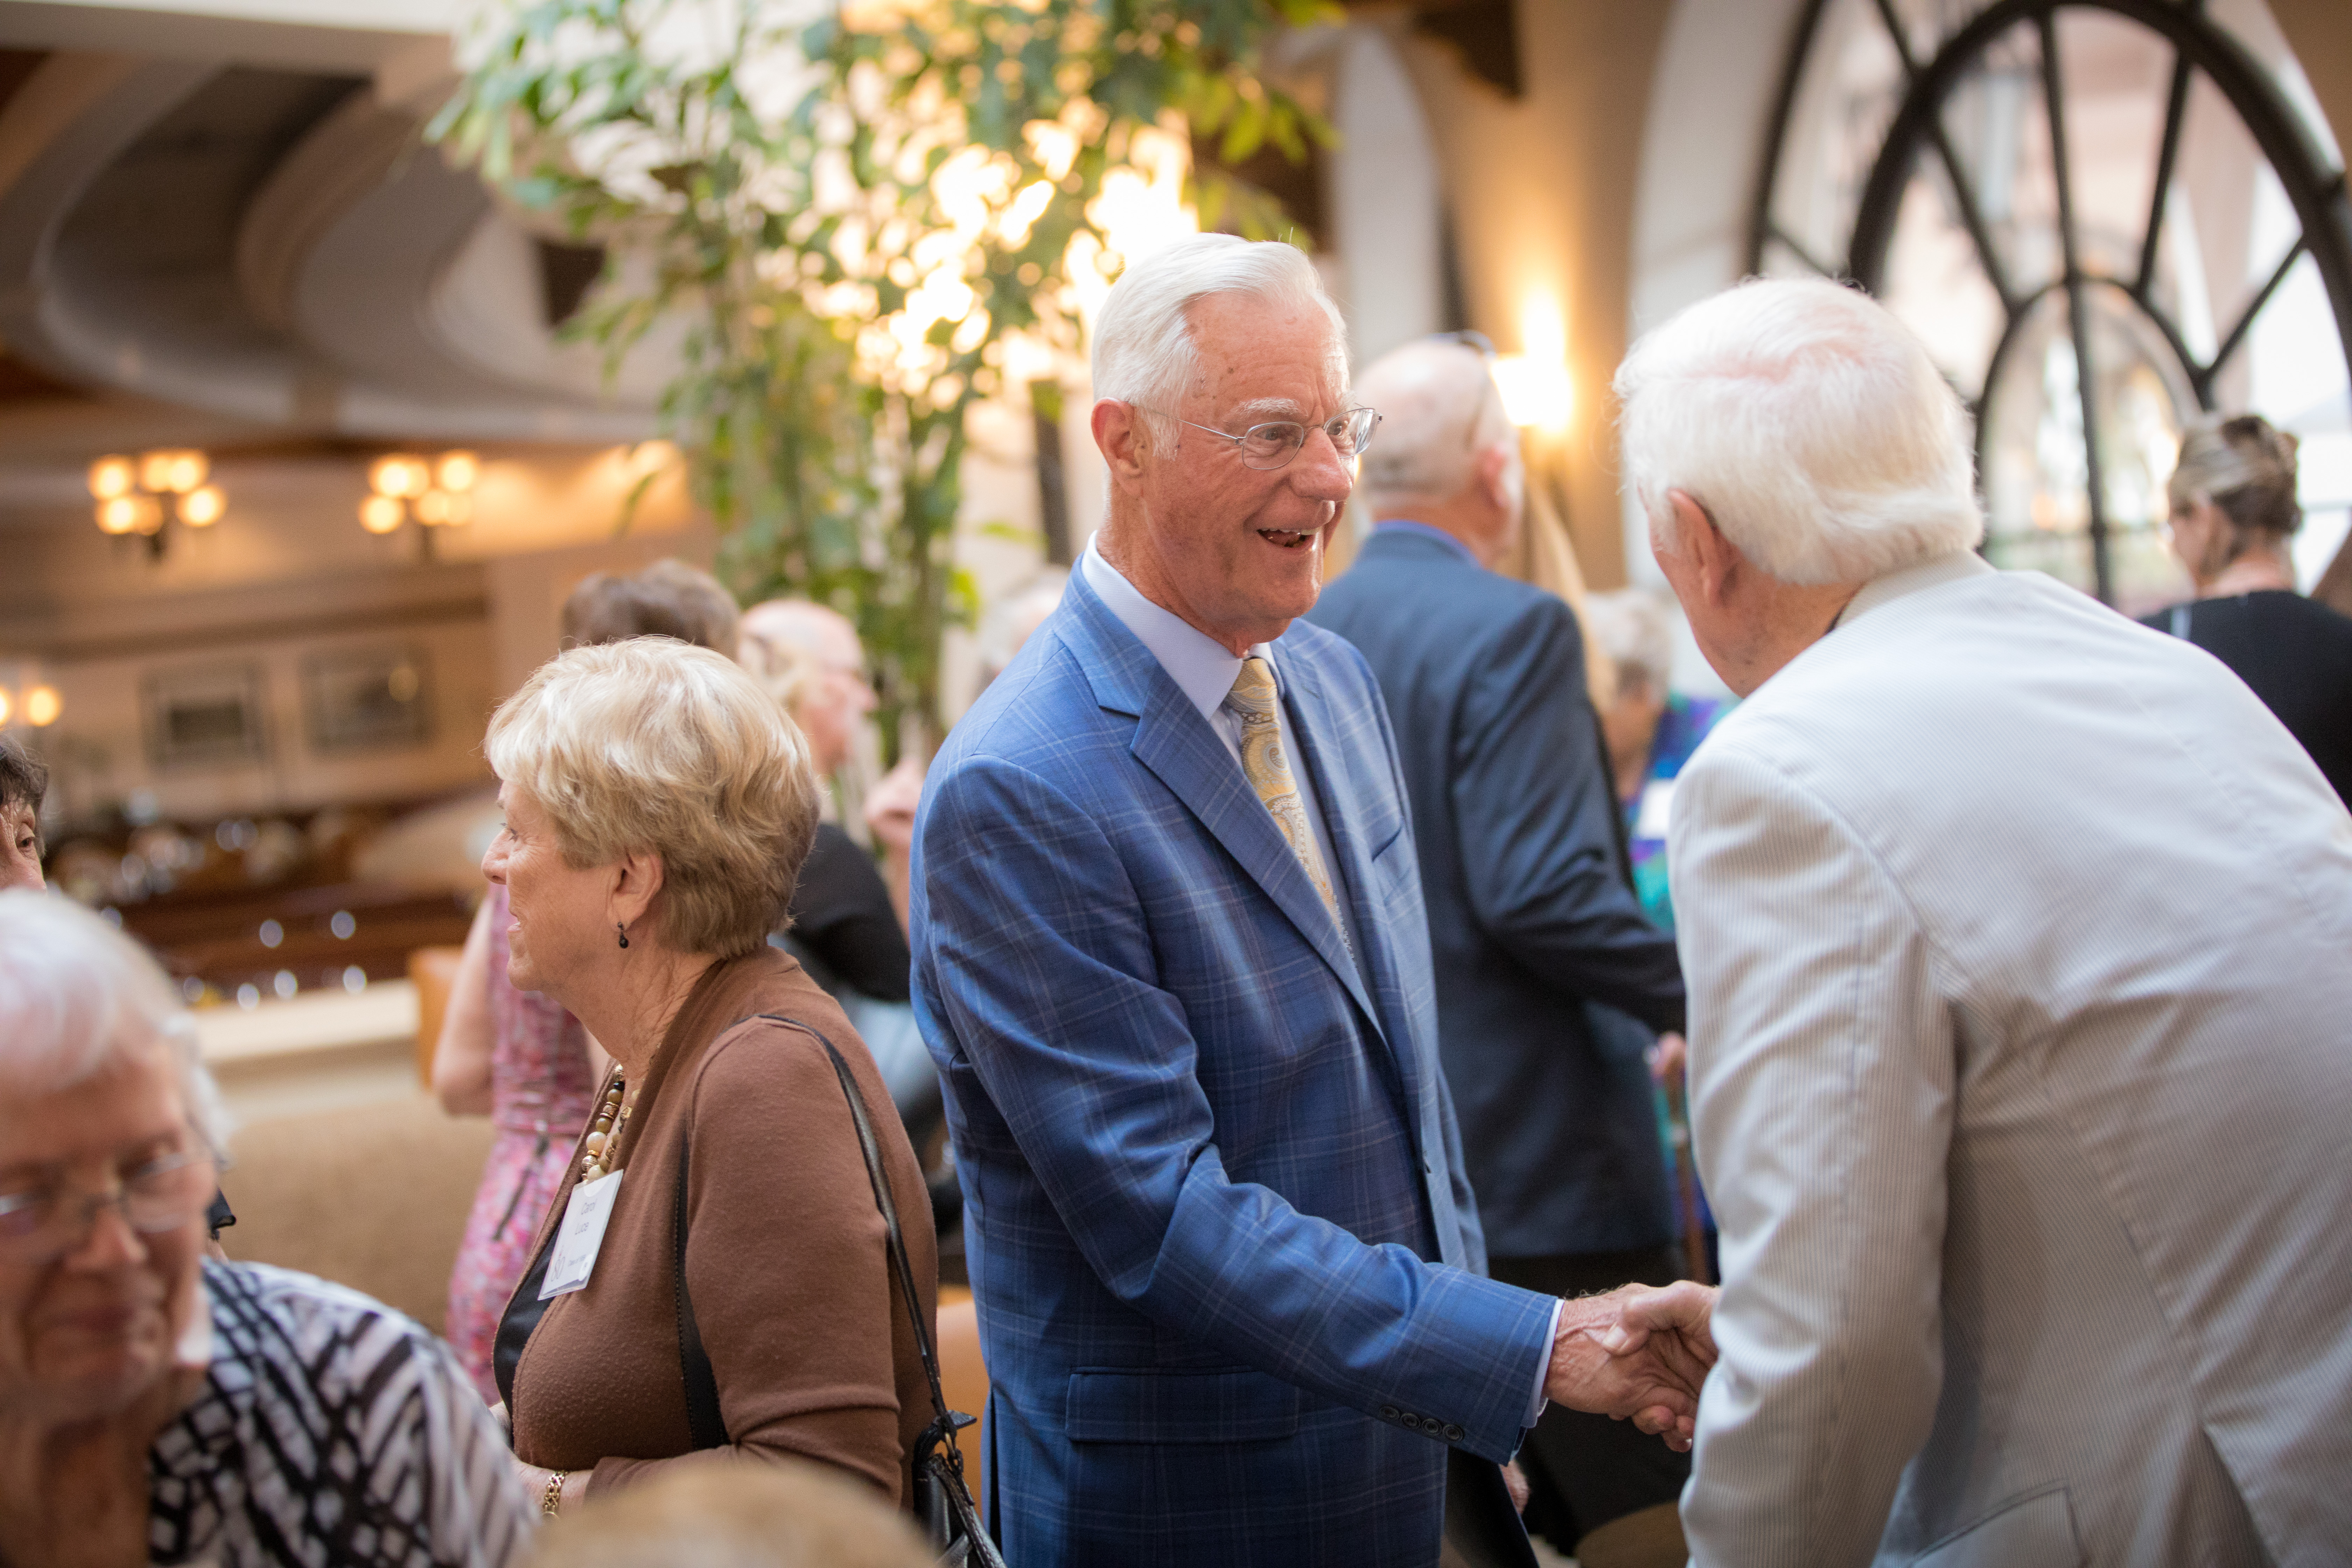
column 1809, row 424
column 1440, row 412
column 1143, row 352
column 77, row 997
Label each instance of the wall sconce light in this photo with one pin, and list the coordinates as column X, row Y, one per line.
column 25, row 698
column 437, row 494
column 131, row 494
column 1538, row 393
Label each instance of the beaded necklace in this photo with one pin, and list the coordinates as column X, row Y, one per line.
column 604, row 1133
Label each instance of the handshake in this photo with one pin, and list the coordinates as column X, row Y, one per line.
column 1638, row 1353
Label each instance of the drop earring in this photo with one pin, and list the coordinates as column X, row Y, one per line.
column 624, row 929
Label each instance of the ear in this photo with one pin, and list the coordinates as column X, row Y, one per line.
column 1717, row 562
column 1123, row 441
column 636, row 881
column 1492, row 475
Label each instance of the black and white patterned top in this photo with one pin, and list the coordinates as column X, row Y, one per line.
column 330, row 1430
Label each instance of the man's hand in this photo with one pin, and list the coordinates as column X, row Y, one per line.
column 1660, row 1374
column 1672, row 1324
column 1668, row 1058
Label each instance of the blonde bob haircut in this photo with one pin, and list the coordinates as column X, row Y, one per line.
column 652, row 746
column 1809, row 423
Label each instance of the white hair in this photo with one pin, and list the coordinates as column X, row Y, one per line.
column 1143, row 350
column 1811, row 426
column 1635, row 626
column 77, row 997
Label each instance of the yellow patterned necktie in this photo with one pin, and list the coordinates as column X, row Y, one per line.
column 1268, row 771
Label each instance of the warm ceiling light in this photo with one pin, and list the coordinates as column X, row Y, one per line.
column 203, row 508
column 42, row 706
column 155, row 470
column 457, row 471
column 118, row 514
column 399, row 476
column 187, row 472
column 7, row 709
column 150, row 520
column 382, row 513
column 433, row 507
column 110, row 476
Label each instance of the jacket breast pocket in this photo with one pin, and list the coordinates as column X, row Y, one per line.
column 2036, row 1532
column 1215, row 1406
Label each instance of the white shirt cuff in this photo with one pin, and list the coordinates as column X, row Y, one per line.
column 1536, row 1401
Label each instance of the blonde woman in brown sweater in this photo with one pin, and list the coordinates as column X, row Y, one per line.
column 658, row 806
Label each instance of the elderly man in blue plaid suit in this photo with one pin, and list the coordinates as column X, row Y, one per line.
column 1172, row 960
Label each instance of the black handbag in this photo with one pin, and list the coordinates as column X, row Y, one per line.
column 943, row 1502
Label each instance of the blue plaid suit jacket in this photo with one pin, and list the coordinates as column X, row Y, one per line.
column 1229, row 1274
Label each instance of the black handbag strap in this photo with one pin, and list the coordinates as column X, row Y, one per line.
column 703, row 1420
column 947, row 1421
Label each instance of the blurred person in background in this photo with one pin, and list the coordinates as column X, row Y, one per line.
column 785, row 1515
column 1551, row 985
column 516, row 1056
column 158, row 1406
column 2234, row 512
column 1652, row 729
column 24, row 780
column 739, row 1296
column 846, row 925
column 891, row 805
column 2016, row 939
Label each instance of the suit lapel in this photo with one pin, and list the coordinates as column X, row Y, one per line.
column 1177, row 745
column 1336, row 791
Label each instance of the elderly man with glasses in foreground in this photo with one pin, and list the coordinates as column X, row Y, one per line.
column 1171, row 957
column 155, row 1407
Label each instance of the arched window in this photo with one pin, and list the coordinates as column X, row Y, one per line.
column 2102, row 217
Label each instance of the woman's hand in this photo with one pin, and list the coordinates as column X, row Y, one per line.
column 534, row 1481
column 75, row 1495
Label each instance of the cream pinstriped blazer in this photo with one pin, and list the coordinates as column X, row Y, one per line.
column 2020, row 949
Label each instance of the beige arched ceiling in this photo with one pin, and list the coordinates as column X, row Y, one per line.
column 242, row 236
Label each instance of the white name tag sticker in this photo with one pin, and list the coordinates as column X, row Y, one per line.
column 580, row 1236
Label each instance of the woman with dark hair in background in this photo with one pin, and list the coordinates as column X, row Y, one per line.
column 517, row 1056
column 2233, row 510
column 24, row 780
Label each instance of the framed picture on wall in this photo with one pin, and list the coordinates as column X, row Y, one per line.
column 368, row 700
column 208, row 716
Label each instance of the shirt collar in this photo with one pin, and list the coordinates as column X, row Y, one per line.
column 1406, row 525
column 1931, row 574
column 1202, row 667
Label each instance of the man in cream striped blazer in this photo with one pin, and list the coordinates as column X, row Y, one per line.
column 2019, row 941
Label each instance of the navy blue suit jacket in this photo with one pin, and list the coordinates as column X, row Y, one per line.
column 1228, row 1268
column 1530, row 917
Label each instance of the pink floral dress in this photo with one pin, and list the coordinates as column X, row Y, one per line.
column 540, row 1095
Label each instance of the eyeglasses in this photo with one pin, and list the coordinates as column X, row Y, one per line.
column 160, row 1196
column 1272, row 445
column 1484, row 344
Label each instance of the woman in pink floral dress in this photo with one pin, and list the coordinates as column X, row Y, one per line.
column 526, row 1061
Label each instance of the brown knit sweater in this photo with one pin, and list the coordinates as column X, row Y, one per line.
column 785, row 1258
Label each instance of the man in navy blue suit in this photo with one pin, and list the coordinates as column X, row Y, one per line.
column 1172, row 960
column 1544, row 959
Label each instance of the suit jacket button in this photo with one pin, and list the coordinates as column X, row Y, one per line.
column 1389, row 1413
column 1455, row 1434
column 1432, row 1424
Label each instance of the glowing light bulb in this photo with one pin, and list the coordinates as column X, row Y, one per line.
column 110, row 476
column 7, row 709
column 155, row 470
column 382, row 513
column 399, row 476
column 203, row 508
column 185, row 473
column 42, row 706
column 457, row 471
column 117, row 514
column 150, row 514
